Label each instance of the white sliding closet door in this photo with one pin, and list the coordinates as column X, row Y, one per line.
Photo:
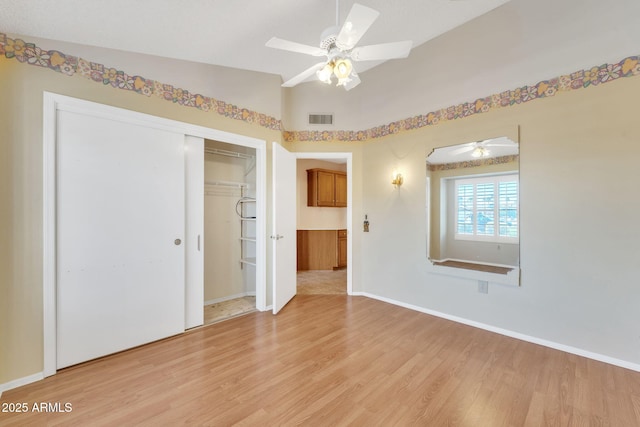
column 120, row 236
column 194, row 237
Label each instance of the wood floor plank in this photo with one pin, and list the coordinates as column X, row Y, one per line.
column 336, row 360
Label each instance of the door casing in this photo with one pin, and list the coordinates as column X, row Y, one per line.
column 349, row 159
column 55, row 102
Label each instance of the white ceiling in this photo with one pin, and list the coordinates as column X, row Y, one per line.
column 229, row 33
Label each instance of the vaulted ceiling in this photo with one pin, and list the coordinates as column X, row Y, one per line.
column 230, row 33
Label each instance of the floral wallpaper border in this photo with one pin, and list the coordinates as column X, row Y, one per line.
column 594, row 76
column 57, row 61
column 473, row 163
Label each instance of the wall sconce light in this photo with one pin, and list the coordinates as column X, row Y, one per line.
column 396, row 179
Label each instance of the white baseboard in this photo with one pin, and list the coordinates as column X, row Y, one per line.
column 20, row 382
column 230, row 297
column 557, row 346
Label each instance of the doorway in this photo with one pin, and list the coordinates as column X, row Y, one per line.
column 229, row 231
column 284, row 221
column 323, row 229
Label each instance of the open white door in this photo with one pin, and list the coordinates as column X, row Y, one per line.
column 284, row 227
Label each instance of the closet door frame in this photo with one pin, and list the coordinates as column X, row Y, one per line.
column 52, row 103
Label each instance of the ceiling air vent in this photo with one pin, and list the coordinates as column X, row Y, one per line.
column 320, row 119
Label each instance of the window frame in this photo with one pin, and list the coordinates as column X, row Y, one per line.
column 475, row 181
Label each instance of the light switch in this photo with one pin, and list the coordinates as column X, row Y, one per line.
column 483, row 286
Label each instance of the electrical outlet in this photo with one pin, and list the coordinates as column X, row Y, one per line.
column 483, row 286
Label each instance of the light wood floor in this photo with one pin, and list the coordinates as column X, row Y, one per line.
column 335, row 360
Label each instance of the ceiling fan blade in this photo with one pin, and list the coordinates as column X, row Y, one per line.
column 464, row 149
column 355, row 81
column 277, row 43
column 501, row 141
column 357, row 23
column 303, row 75
column 382, row 51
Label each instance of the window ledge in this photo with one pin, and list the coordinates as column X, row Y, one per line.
column 503, row 275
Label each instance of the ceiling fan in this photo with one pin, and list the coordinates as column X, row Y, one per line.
column 338, row 44
column 480, row 149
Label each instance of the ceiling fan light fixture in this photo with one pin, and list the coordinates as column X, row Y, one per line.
column 324, row 74
column 479, row 152
column 342, row 68
column 343, row 81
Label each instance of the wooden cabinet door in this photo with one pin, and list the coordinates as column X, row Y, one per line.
column 325, row 188
column 341, row 190
column 342, row 248
column 317, row 249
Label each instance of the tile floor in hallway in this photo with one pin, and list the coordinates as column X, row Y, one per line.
column 312, row 282
column 229, row 309
column 322, row 282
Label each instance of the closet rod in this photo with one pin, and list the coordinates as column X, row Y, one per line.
column 228, row 153
column 227, row 184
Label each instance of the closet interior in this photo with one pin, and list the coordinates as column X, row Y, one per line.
column 229, row 230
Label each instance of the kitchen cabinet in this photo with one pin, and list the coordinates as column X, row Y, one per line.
column 321, row 249
column 342, row 248
column 326, row 188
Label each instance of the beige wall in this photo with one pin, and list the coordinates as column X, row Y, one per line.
column 21, row 348
column 7, row 198
column 317, row 218
column 579, row 250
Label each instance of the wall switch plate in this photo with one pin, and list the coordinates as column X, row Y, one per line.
column 483, row 286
